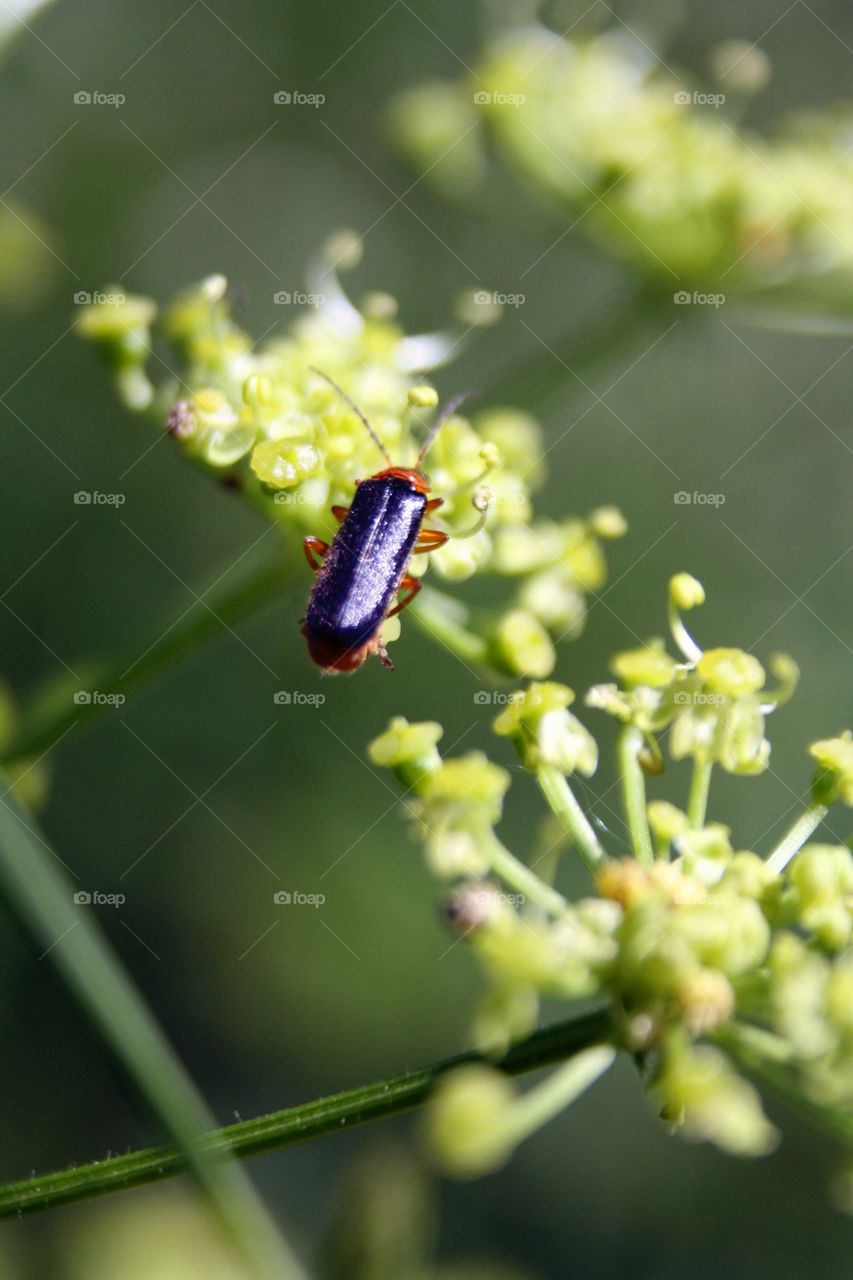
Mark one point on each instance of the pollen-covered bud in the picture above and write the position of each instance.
(623, 880)
(608, 522)
(409, 750)
(477, 905)
(544, 731)
(705, 999)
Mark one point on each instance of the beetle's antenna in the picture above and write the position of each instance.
(374, 437)
(447, 412)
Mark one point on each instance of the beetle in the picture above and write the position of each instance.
(359, 575)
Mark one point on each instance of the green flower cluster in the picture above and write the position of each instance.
(713, 704)
(264, 419)
(714, 961)
(658, 171)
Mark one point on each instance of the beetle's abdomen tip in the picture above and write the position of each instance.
(335, 656)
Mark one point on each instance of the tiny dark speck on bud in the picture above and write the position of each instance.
(180, 421)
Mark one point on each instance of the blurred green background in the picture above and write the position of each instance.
(271, 1006)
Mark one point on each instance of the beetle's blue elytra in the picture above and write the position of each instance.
(360, 574)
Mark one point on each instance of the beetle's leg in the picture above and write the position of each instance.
(314, 547)
(429, 539)
(408, 583)
(434, 504)
(340, 513)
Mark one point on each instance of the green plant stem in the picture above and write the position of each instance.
(521, 877)
(53, 712)
(559, 1090)
(564, 805)
(697, 804)
(633, 783)
(34, 885)
(796, 837)
(312, 1120)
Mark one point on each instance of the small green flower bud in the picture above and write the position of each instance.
(685, 591)
(834, 778)
(470, 779)
(730, 671)
(747, 876)
(543, 731)
(732, 936)
(422, 397)
(460, 558)
(555, 601)
(741, 744)
(651, 665)
(822, 876)
(798, 984)
(666, 821)
(409, 749)
(467, 1131)
(520, 645)
(518, 436)
(284, 464)
(716, 1105)
(608, 522)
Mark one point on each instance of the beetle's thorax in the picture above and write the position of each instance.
(416, 479)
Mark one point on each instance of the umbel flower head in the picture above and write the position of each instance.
(716, 964)
(265, 418)
(659, 171)
(712, 702)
